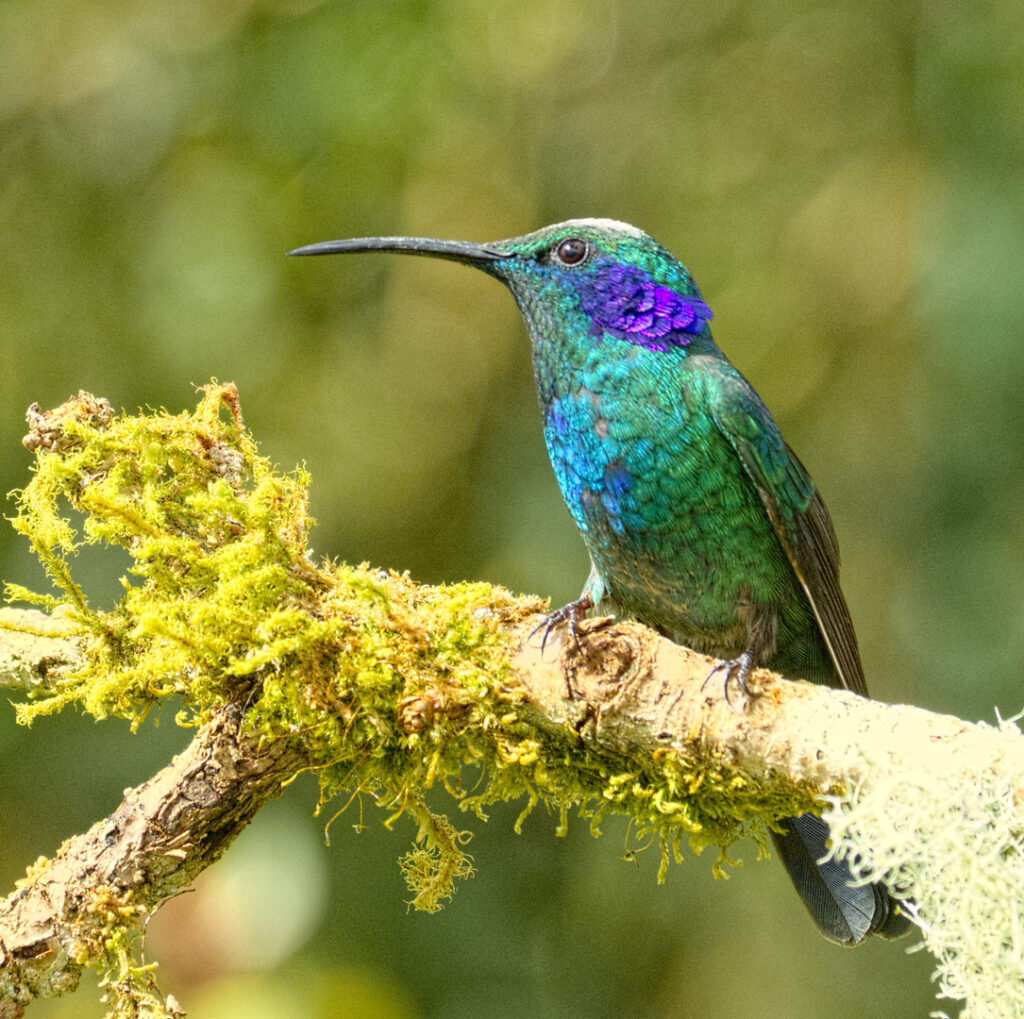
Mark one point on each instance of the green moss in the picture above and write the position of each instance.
(391, 688)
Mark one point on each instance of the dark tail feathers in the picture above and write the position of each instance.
(844, 914)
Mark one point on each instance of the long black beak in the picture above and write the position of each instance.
(457, 251)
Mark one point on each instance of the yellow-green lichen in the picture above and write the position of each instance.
(381, 680)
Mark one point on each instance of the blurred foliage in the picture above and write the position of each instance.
(844, 180)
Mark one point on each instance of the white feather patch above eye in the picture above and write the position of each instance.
(606, 224)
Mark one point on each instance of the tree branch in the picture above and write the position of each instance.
(641, 694)
(636, 698)
(35, 649)
(84, 904)
(383, 686)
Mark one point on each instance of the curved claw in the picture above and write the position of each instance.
(738, 669)
(571, 614)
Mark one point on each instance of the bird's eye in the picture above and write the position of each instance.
(572, 251)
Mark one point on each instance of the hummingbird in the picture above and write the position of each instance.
(699, 519)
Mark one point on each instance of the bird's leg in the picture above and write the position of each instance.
(571, 614)
(761, 621)
(591, 596)
(736, 668)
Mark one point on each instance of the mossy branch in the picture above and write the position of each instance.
(386, 688)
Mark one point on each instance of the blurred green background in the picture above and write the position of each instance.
(844, 179)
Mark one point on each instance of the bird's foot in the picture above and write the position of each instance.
(571, 614)
(737, 669)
